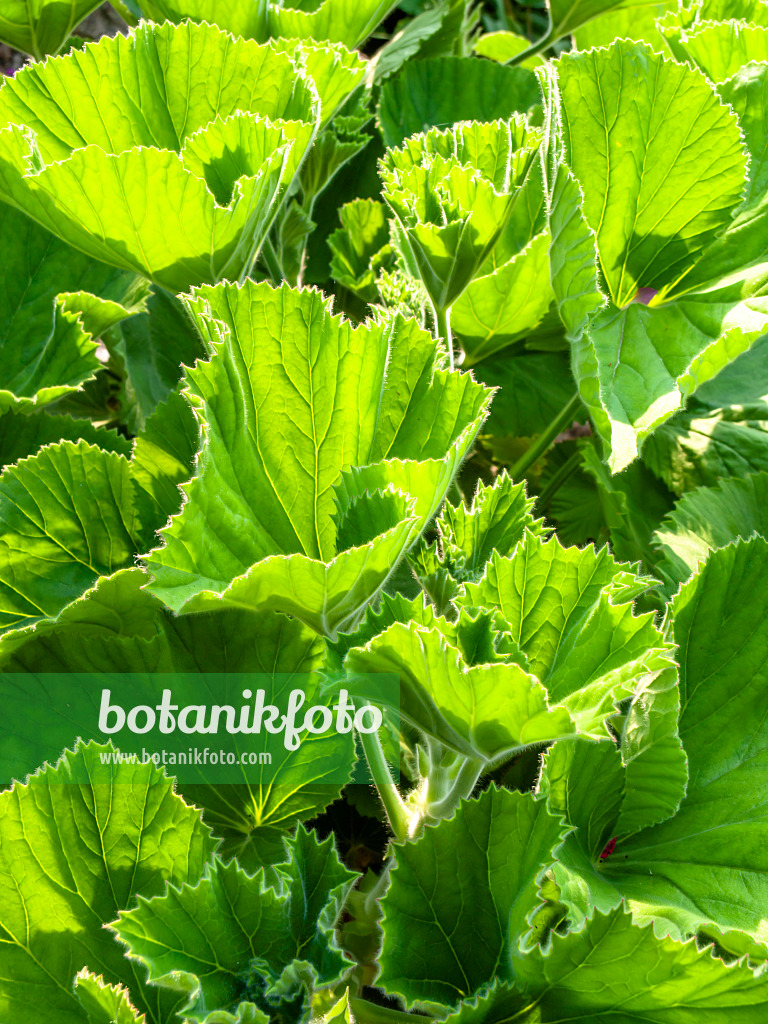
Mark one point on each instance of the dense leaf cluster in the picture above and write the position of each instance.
(339, 339)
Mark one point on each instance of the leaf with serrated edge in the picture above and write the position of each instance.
(334, 412)
(613, 970)
(563, 608)
(154, 156)
(73, 856)
(460, 897)
(67, 516)
(243, 925)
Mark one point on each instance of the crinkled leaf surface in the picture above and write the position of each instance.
(454, 195)
(117, 623)
(659, 160)
(72, 856)
(564, 608)
(614, 971)
(722, 432)
(364, 232)
(163, 458)
(460, 896)
(721, 48)
(228, 939)
(339, 21)
(346, 462)
(485, 711)
(649, 202)
(494, 522)
(155, 346)
(246, 18)
(502, 307)
(22, 436)
(649, 360)
(103, 1003)
(67, 516)
(566, 16)
(706, 865)
(185, 182)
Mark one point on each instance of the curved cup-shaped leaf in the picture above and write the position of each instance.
(133, 150)
(335, 445)
(246, 18)
(336, 21)
(453, 194)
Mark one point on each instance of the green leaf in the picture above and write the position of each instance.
(229, 938)
(633, 504)
(460, 897)
(501, 308)
(449, 217)
(654, 195)
(563, 606)
(629, 377)
(573, 253)
(103, 1003)
(339, 415)
(707, 864)
(495, 523)
(624, 22)
(743, 243)
(363, 234)
(118, 623)
(608, 793)
(186, 186)
(74, 855)
(643, 380)
(612, 970)
(440, 92)
(408, 40)
(155, 347)
(246, 18)
(22, 436)
(41, 28)
(708, 518)
(339, 1010)
(534, 387)
(349, 22)
(163, 458)
(334, 148)
(486, 712)
(721, 433)
(48, 325)
(504, 47)
(720, 49)
(566, 16)
(67, 516)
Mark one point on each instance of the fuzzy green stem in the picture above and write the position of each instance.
(387, 789)
(544, 441)
(463, 783)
